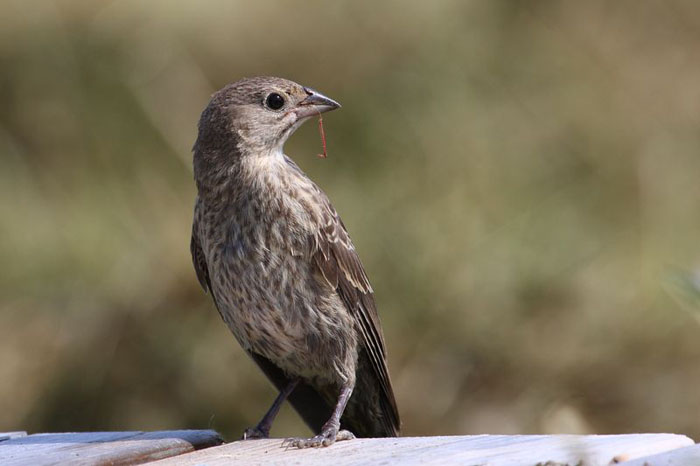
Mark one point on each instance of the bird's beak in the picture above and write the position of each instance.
(314, 104)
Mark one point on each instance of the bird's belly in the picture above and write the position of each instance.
(276, 305)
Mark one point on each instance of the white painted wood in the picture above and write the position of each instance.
(102, 448)
(491, 450)
(688, 456)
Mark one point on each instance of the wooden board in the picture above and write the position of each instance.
(102, 448)
(688, 456)
(491, 450)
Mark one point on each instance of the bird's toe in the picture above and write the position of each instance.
(344, 435)
(326, 438)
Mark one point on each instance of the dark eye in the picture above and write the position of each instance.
(274, 101)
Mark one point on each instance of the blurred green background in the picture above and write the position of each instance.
(521, 179)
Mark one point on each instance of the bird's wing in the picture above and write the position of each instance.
(340, 265)
(199, 261)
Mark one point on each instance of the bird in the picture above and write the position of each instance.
(282, 271)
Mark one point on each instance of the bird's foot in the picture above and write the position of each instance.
(327, 437)
(254, 433)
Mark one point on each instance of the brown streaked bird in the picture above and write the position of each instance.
(281, 268)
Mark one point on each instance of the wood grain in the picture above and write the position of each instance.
(688, 456)
(102, 448)
(494, 450)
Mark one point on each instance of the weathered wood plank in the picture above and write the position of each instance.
(494, 450)
(101, 448)
(688, 456)
(9, 435)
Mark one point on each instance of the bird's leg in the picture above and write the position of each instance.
(262, 430)
(330, 432)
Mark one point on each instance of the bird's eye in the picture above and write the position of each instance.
(274, 101)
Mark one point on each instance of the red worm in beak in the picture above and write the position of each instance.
(323, 137)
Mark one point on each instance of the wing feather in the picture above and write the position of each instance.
(341, 266)
(199, 261)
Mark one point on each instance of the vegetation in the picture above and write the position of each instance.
(521, 180)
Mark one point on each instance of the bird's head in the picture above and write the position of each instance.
(255, 116)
